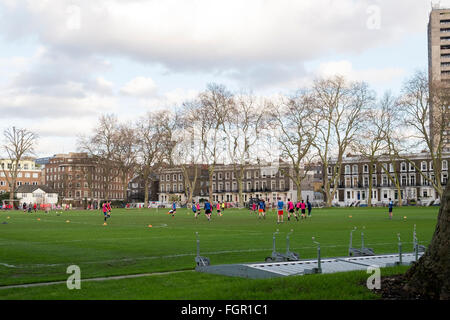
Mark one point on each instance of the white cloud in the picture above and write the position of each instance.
(140, 87)
(214, 34)
(371, 75)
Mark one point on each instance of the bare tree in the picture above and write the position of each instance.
(126, 154)
(422, 128)
(370, 143)
(298, 125)
(153, 143)
(430, 276)
(215, 103)
(103, 146)
(389, 123)
(188, 149)
(243, 126)
(341, 107)
(18, 143)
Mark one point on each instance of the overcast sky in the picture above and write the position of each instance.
(65, 62)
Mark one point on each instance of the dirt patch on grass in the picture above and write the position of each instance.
(396, 288)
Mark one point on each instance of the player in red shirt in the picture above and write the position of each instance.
(109, 208)
(303, 208)
(291, 210)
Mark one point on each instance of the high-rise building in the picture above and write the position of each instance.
(439, 68)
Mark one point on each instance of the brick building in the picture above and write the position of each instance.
(29, 173)
(80, 180)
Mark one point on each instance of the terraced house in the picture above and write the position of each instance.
(267, 181)
(389, 179)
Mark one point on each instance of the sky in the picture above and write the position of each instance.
(63, 63)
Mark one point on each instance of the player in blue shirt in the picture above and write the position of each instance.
(194, 209)
(208, 210)
(262, 209)
(280, 206)
(174, 209)
(391, 206)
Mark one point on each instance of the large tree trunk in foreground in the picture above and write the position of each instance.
(430, 277)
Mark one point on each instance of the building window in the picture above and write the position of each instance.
(444, 165)
(412, 180)
(411, 167)
(403, 180)
(347, 169)
(403, 167)
(366, 168)
(162, 188)
(355, 169)
(423, 166)
(348, 182)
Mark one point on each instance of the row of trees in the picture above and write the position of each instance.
(317, 124)
(321, 123)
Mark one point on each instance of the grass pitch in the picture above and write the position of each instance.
(39, 247)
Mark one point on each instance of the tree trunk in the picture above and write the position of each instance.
(430, 276)
(299, 191)
(146, 183)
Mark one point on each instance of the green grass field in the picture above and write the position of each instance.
(35, 250)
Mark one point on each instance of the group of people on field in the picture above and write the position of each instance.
(209, 208)
(293, 209)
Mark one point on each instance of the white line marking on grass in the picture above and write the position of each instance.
(130, 276)
(8, 265)
(186, 255)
